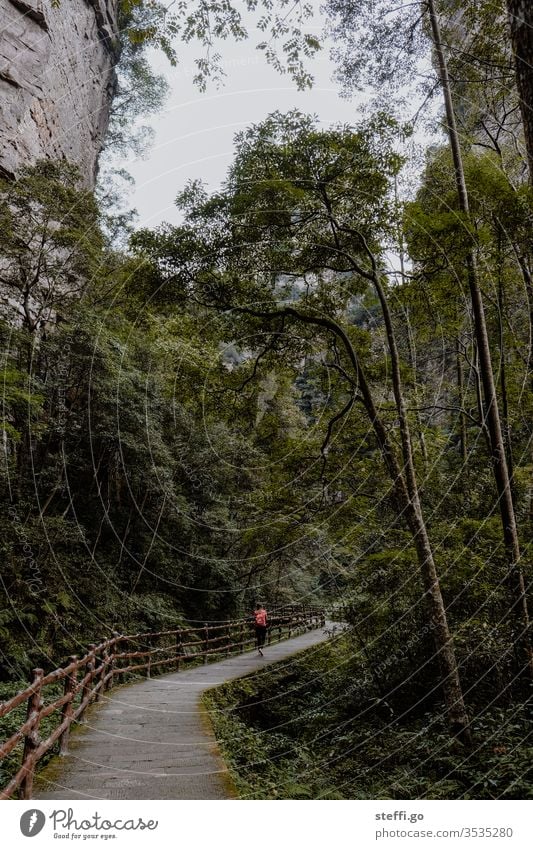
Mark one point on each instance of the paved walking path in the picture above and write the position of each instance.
(152, 740)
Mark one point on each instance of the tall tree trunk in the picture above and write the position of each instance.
(492, 414)
(411, 349)
(462, 418)
(479, 395)
(521, 26)
(503, 383)
(410, 345)
(525, 266)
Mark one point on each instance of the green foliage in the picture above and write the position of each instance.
(208, 22)
(50, 241)
(146, 24)
(10, 723)
(299, 213)
(140, 92)
(319, 732)
(132, 499)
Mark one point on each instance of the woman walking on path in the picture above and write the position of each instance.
(260, 616)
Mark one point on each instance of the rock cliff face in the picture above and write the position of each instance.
(56, 81)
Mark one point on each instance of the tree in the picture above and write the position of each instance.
(355, 20)
(50, 241)
(297, 235)
(208, 22)
(521, 27)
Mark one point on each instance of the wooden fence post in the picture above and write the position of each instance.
(31, 741)
(105, 670)
(86, 689)
(179, 649)
(241, 637)
(206, 648)
(122, 662)
(148, 657)
(116, 635)
(99, 667)
(94, 670)
(68, 708)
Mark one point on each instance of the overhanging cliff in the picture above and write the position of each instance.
(57, 81)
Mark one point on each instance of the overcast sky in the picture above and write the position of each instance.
(194, 132)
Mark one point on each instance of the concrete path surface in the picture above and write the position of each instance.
(152, 740)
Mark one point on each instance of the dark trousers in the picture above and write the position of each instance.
(260, 635)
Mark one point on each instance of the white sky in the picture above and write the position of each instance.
(194, 132)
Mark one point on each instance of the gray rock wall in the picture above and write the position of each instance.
(56, 81)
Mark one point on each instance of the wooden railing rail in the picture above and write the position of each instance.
(105, 664)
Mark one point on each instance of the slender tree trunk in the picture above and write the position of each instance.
(521, 26)
(479, 393)
(492, 414)
(410, 346)
(412, 363)
(462, 418)
(525, 265)
(22, 419)
(503, 386)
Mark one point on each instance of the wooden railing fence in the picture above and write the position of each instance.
(84, 679)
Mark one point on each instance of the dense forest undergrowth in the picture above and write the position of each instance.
(319, 728)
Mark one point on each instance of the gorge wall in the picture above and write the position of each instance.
(57, 81)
